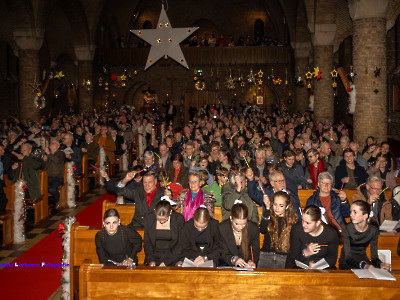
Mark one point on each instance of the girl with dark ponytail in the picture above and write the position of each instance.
(361, 232)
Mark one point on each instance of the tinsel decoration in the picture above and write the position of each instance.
(102, 163)
(71, 185)
(352, 99)
(19, 211)
(65, 230)
(124, 158)
(200, 85)
(142, 141)
(311, 104)
(163, 132)
(39, 101)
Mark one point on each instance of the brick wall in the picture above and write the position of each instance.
(369, 51)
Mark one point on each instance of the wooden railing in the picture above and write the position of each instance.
(205, 55)
(98, 282)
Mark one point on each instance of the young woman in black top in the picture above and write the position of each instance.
(199, 238)
(276, 224)
(239, 239)
(161, 236)
(117, 243)
(311, 240)
(361, 232)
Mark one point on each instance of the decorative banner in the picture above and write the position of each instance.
(19, 211)
(65, 229)
(164, 40)
(71, 185)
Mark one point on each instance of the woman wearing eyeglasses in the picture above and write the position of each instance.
(116, 243)
(199, 239)
(190, 200)
(161, 236)
(239, 239)
(337, 206)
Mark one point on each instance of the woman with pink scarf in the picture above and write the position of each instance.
(189, 200)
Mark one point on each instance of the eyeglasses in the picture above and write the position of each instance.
(279, 181)
(375, 189)
(326, 183)
(309, 156)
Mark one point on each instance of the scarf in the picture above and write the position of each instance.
(315, 172)
(190, 206)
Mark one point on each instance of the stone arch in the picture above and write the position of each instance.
(258, 28)
(147, 25)
(206, 28)
(134, 95)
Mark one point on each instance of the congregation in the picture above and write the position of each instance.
(240, 162)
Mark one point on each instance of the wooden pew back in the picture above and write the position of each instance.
(83, 247)
(125, 211)
(97, 282)
(305, 194)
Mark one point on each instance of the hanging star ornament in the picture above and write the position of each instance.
(164, 40)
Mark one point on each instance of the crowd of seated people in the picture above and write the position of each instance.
(234, 160)
(211, 40)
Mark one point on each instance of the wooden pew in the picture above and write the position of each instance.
(125, 211)
(63, 189)
(82, 180)
(305, 194)
(8, 217)
(83, 247)
(98, 282)
(41, 204)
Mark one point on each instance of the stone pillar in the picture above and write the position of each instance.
(323, 59)
(29, 43)
(85, 55)
(369, 51)
(301, 54)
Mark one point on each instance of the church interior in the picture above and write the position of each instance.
(337, 60)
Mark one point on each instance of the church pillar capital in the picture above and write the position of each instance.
(365, 9)
(29, 39)
(84, 52)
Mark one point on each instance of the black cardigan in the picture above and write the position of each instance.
(188, 242)
(228, 244)
(172, 255)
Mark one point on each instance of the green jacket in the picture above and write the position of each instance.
(31, 174)
(230, 194)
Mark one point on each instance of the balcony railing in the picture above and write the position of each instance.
(206, 55)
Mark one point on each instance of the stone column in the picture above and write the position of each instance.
(323, 59)
(29, 43)
(85, 55)
(301, 54)
(369, 51)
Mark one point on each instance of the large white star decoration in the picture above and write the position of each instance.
(164, 40)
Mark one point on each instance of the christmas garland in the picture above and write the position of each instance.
(102, 163)
(70, 185)
(65, 230)
(19, 211)
(124, 158)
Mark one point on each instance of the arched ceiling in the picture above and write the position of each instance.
(84, 17)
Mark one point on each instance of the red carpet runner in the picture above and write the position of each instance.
(24, 282)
